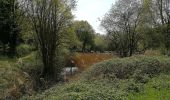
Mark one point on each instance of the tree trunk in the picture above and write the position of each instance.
(131, 50)
(48, 70)
(84, 47)
(161, 11)
(4, 48)
(48, 61)
(13, 44)
(167, 38)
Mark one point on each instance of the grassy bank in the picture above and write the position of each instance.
(134, 78)
(15, 81)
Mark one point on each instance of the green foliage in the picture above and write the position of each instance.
(118, 79)
(30, 63)
(13, 82)
(24, 49)
(85, 34)
(143, 26)
(100, 43)
(165, 51)
(9, 24)
(27, 35)
(72, 42)
(151, 39)
(82, 90)
(130, 67)
(53, 19)
(121, 24)
(157, 89)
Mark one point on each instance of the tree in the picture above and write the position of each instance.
(101, 44)
(4, 23)
(161, 15)
(10, 28)
(156, 20)
(73, 43)
(49, 18)
(85, 34)
(122, 23)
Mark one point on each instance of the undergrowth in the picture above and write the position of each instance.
(117, 79)
(15, 79)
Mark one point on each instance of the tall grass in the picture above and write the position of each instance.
(84, 60)
(14, 80)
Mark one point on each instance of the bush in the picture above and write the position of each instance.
(24, 49)
(82, 90)
(165, 51)
(132, 67)
(110, 80)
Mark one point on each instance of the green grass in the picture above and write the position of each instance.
(5, 58)
(157, 89)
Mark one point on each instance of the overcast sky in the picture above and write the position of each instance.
(92, 10)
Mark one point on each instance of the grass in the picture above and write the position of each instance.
(85, 60)
(157, 89)
(11, 78)
(14, 82)
(152, 53)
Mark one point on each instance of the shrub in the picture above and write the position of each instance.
(132, 67)
(133, 87)
(82, 90)
(24, 49)
(156, 89)
(110, 80)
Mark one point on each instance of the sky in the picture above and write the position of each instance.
(92, 11)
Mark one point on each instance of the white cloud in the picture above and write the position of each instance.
(91, 10)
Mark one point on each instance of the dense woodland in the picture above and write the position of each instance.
(47, 31)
